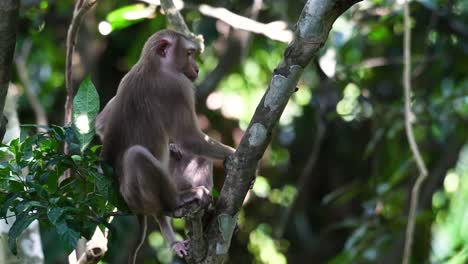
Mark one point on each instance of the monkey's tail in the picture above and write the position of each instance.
(142, 222)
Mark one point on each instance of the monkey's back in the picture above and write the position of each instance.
(135, 120)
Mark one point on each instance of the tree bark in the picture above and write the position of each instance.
(9, 10)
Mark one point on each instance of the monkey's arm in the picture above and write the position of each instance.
(202, 145)
(187, 134)
(168, 233)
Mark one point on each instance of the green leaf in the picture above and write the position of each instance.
(95, 148)
(58, 132)
(103, 184)
(21, 223)
(67, 234)
(126, 16)
(54, 214)
(11, 197)
(25, 206)
(85, 110)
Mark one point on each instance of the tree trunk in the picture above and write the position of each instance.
(8, 21)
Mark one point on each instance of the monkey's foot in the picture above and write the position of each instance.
(180, 248)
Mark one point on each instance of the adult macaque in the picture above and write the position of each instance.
(155, 105)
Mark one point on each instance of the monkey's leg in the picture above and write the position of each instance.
(146, 185)
(179, 247)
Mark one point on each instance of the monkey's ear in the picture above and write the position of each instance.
(162, 46)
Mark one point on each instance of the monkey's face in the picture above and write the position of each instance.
(191, 67)
(179, 54)
(187, 52)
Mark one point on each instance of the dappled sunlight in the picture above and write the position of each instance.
(105, 28)
(350, 108)
(291, 111)
(451, 182)
(284, 196)
(328, 62)
(214, 101)
(160, 246)
(264, 247)
(233, 107)
(261, 187)
(82, 123)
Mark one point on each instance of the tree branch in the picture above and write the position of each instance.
(311, 33)
(81, 7)
(177, 22)
(276, 30)
(409, 119)
(9, 10)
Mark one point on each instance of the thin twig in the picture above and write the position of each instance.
(23, 73)
(81, 7)
(409, 119)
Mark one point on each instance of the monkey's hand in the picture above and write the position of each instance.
(180, 248)
(175, 151)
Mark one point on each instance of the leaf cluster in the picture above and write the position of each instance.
(33, 185)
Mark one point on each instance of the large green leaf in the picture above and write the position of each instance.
(127, 15)
(21, 223)
(85, 110)
(66, 233)
(54, 214)
(10, 198)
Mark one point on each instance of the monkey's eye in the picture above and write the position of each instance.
(190, 52)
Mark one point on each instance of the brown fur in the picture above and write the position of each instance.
(155, 105)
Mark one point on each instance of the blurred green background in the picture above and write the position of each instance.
(334, 185)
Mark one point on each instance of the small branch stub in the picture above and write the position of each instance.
(226, 225)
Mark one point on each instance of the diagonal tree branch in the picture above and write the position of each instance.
(9, 10)
(311, 32)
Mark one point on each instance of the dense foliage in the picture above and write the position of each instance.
(33, 185)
